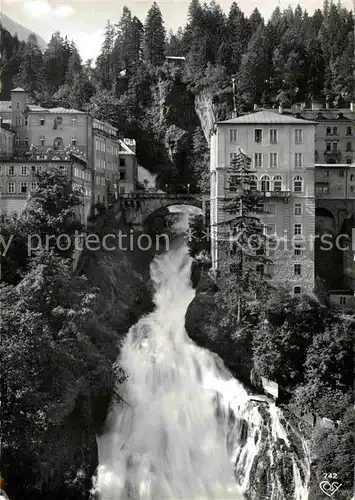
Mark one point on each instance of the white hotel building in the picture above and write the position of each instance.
(282, 151)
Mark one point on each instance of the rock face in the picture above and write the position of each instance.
(202, 324)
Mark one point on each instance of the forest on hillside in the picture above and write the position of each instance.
(291, 57)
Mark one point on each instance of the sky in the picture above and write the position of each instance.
(84, 20)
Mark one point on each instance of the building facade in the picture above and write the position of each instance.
(334, 142)
(54, 134)
(6, 142)
(281, 148)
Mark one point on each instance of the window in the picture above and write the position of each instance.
(348, 131)
(270, 229)
(0, 187)
(265, 183)
(233, 135)
(297, 250)
(298, 184)
(298, 209)
(335, 147)
(341, 173)
(11, 170)
(297, 269)
(329, 131)
(59, 120)
(26, 121)
(297, 290)
(298, 136)
(342, 301)
(17, 105)
(335, 130)
(351, 189)
(258, 135)
(233, 182)
(73, 141)
(122, 190)
(11, 186)
(253, 183)
(270, 208)
(320, 190)
(73, 121)
(42, 120)
(23, 187)
(258, 160)
(260, 270)
(123, 162)
(26, 141)
(42, 140)
(34, 185)
(273, 136)
(298, 160)
(123, 175)
(58, 143)
(348, 161)
(297, 229)
(17, 140)
(0, 169)
(328, 146)
(24, 170)
(326, 173)
(273, 160)
(348, 146)
(277, 183)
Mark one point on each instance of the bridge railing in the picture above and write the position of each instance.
(147, 194)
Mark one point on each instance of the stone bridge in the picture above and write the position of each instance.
(339, 209)
(137, 207)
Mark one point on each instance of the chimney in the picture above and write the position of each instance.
(327, 105)
(234, 114)
(281, 109)
(255, 107)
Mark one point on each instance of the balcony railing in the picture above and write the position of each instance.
(103, 133)
(333, 154)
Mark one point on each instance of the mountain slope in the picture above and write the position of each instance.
(22, 32)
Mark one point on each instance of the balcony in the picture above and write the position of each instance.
(276, 194)
(336, 155)
(103, 133)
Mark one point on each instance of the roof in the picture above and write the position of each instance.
(57, 111)
(266, 117)
(18, 89)
(328, 114)
(5, 106)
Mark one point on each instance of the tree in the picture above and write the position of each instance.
(254, 70)
(328, 387)
(105, 61)
(53, 208)
(29, 73)
(74, 65)
(244, 254)
(154, 37)
(55, 64)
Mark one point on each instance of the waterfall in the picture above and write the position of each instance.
(186, 429)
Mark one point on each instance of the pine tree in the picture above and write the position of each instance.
(154, 37)
(243, 263)
(105, 62)
(235, 40)
(29, 71)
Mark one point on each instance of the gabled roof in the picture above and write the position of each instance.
(266, 117)
(18, 89)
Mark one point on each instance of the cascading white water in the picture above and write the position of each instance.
(190, 430)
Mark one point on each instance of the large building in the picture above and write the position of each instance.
(282, 151)
(60, 134)
(334, 133)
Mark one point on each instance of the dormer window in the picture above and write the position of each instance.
(340, 116)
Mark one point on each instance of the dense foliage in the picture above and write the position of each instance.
(53, 356)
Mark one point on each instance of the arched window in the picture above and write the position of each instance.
(277, 183)
(58, 143)
(298, 184)
(253, 183)
(265, 183)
